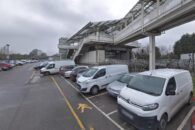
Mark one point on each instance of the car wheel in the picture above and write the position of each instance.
(190, 99)
(94, 90)
(46, 73)
(163, 122)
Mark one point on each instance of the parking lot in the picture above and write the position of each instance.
(30, 101)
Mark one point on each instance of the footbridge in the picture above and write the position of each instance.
(148, 18)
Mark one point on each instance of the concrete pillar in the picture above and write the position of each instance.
(7, 51)
(128, 56)
(158, 5)
(97, 34)
(60, 56)
(152, 52)
(142, 11)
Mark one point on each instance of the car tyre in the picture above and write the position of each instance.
(94, 90)
(163, 122)
(190, 99)
(46, 73)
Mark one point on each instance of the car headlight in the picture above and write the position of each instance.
(150, 107)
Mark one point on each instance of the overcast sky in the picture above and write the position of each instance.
(30, 24)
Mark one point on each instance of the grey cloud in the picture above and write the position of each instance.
(59, 18)
(24, 33)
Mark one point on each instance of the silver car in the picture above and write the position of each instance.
(115, 87)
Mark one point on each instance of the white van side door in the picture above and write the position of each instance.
(100, 78)
(173, 101)
(183, 86)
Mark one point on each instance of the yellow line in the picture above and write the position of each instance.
(91, 128)
(69, 105)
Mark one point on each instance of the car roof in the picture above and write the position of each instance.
(164, 73)
(132, 74)
(104, 66)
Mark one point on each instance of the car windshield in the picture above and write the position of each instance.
(90, 72)
(125, 79)
(147, 84)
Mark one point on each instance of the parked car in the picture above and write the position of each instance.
(96, 78)
(63, 69)
(77, 68)
(19, 63)
(41, 65)
(152, 98)
(5, 66)
(54, 66)
(80, 71)
(115, 87)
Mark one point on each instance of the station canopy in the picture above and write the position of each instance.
(92, 27)
(110, 26)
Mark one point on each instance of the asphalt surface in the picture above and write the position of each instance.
(30, 101)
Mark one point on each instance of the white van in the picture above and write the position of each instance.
(54, 66)
(96, 78)
(153, 97)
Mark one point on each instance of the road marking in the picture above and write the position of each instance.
(186, 119)
(101, 94)
(115, 123)
(31, 77)
(69, 105)
(82, 107)
(112, 112)
(91, 128)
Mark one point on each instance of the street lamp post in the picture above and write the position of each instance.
(7, 45)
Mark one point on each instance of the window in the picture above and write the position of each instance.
(100, 73)
(125, 79)
(90, 72)
(147, 84)
(171, 86)
(51, 66)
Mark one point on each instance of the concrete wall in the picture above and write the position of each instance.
(88, 58)
(186, 56)
(93, 57)
(100, 56)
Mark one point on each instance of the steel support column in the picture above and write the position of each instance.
(142, 13)
(152, 52)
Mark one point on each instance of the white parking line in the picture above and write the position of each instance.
(186, 119)
(101, 94)
(106, 115)
(112, 112)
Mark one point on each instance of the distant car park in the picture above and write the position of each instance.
(5, 66)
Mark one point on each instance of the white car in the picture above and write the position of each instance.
(153, 97)
(97, 78)
(54, 66)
